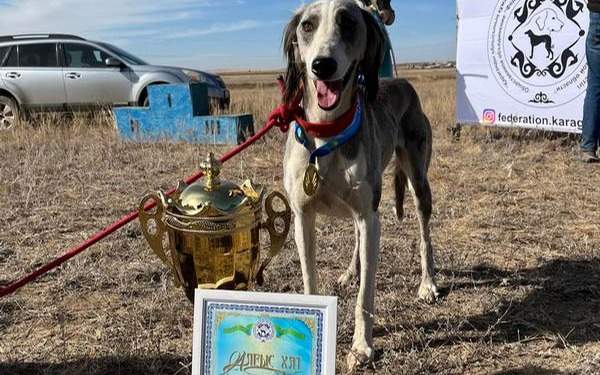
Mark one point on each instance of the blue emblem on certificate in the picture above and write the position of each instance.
(261, 339)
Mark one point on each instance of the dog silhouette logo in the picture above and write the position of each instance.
(537, 50)
(546, 23)
(264, 331)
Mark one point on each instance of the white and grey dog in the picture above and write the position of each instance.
(328, 44)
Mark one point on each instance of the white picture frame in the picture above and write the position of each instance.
(265, 329)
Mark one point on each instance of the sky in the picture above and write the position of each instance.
(217, 34)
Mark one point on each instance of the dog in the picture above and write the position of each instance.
(547, 23)
(328, 45)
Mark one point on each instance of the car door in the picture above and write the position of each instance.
(32, 72)
(89, 81)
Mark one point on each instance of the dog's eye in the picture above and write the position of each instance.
(308, 27)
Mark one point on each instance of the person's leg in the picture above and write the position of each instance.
(591, 109)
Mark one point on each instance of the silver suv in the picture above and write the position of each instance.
(67, 72)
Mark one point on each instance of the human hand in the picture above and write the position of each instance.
(387, 16)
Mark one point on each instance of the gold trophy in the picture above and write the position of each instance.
(208, 233)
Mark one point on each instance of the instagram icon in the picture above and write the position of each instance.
(489, 117)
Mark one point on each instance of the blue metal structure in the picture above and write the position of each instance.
(180, 112)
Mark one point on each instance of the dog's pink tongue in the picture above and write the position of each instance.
(327, 93)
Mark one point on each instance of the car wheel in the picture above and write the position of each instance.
(144, 101)
(9, 113)
(224, 104)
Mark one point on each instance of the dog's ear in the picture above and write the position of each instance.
(294, 75)
(541, 20)
(373, 56)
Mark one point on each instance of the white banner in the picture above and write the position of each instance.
(521, 63)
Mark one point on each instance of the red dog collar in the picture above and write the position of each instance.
(330, 128)
(284, 114)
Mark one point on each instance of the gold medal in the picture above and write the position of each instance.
(311, 180)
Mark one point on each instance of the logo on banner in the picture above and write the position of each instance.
(489, 117)
(537, 50)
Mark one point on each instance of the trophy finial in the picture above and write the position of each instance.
(211, 168)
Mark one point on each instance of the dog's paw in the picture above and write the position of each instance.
(346, 279)
(360, 355)
(428, 291)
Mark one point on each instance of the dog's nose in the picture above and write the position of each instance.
(324, 67)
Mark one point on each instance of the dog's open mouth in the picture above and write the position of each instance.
(329, 93)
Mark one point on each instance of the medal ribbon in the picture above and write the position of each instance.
(334, 142)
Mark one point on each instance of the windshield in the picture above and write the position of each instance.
(128, 57)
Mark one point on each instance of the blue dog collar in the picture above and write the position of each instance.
(334, 142)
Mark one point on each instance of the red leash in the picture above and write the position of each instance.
(281, 117)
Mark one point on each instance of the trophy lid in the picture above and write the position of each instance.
(213, 197)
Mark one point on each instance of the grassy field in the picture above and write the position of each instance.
(515, 227)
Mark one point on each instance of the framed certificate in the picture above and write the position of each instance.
(263, 333)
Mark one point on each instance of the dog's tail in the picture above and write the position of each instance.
(400, 182)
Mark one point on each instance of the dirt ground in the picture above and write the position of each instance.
(515, 228)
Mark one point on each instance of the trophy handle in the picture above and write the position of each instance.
(155, 237)
(278, 226)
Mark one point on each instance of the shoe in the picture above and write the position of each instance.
(589, 157)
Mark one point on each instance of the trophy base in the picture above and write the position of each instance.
(191, 291)
(239, 281)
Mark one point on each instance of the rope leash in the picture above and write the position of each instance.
(281, 117)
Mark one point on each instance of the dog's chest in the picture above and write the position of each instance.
(343, 186)
(343, 181)
(341, 174)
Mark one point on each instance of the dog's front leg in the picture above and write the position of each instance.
(362, 343)
(346, 278)
(304, 226)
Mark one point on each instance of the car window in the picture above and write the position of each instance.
(11, 59)
(3, 51)
(128, 57)
(84, 56)
(41, 55)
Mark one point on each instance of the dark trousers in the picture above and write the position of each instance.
(590, 135)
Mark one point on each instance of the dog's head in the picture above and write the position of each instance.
(549, 22)
(327, 44)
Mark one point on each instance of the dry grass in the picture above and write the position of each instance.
(516, 229)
